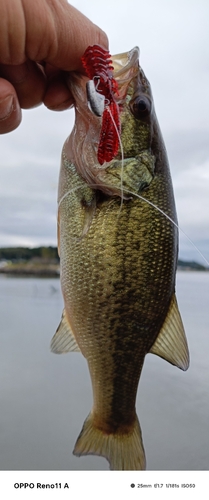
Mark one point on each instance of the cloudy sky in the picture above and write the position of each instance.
(173, 36)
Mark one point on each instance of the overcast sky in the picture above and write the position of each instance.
(173, 36)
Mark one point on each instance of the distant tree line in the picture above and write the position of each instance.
(23, 253)
(191, 264)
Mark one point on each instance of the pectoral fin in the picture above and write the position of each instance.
(64, 340)
(171, 343)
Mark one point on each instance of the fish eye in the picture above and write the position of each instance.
(140, 107)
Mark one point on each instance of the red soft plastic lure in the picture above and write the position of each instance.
(98, 66)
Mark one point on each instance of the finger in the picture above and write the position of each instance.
(10, 112)
(63, 36)
(28, 80)
(57, 96)
(76, 32)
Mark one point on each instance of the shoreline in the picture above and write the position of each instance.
(44, 262)
(28, 269)
(53, 270)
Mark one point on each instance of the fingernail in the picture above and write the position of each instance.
(6, 107)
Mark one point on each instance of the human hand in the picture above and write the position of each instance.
(39, 42)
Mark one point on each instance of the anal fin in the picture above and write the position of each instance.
(63, 340)
(171, 343)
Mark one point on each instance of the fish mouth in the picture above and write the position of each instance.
(124, 171)
(126, 64)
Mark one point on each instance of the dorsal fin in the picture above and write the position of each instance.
(64, 340)
(171, 343)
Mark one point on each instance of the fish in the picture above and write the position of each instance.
(118, 260)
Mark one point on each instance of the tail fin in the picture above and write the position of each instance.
(123, 451)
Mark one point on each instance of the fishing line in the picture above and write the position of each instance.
(97, 78)
(122, 158)
(69, 192)
(99, 186)
(171, 220)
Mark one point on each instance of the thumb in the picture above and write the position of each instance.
(63, 37)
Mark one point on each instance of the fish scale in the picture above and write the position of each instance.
(127, 288)
(118, 266)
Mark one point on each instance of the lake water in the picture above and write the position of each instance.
(44, 398)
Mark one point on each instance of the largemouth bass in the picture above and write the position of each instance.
(118, 257)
